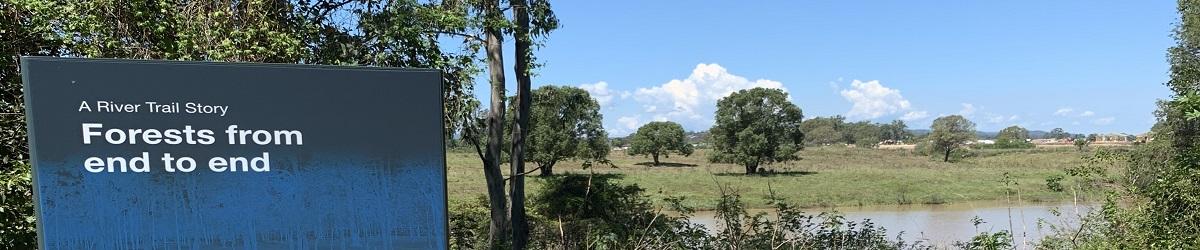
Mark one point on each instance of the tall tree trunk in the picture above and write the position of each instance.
(520, 227)
(655, 159)
(947, 157)
(498, 229)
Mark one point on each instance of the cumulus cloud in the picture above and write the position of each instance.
(601, 92)
(1087, 113)
(914, 115)
(1104, 121)
(871, 100)
(630, 122)
(692, 100)
(1064, 111)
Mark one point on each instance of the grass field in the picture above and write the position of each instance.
(826, 176)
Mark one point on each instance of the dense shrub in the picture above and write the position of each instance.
(594, 211)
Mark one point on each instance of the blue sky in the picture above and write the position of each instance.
(1085, 66)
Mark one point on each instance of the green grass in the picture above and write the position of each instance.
(826, 176)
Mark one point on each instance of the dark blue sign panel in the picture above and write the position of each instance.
(188, 155)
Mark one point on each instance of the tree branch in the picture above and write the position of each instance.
(460, 34)
(525, 173)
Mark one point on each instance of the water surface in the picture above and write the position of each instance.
(943, 224)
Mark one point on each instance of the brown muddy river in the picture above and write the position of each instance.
(942, 225)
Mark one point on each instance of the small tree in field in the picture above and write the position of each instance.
(564, 123)
(754, 127)
(950, 133)
(1013, 137)
(659, 139)
(1082, 143)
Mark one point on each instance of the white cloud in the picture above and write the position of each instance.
(600, 92)
(1087, 113)
(967, 109)
(630, 122)
(871, 100)
(914, 115)
(1104, 121)
(996, 118)
(692, 100)
(1014, 117)
(1064, 111)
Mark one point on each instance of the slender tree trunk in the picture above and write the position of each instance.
(655, 159)
(498, 229)
(947, 157)
(520, 227)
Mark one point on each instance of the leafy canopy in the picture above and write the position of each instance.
(659, 139)
(564, 123)
(755, 127)
(950, 133)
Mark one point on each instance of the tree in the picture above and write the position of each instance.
(1013, 137)
(823, 130)
(366, 32)
(1081, 144)
(949, 133)
(863, 134)
(896, 131)
(659, 139)
(524, 35)
(565, 123)
(1013, 133)
(755, 127)
(823, 135)
(1058, 134)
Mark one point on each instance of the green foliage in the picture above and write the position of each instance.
(1082, 144)
(468, 224)
(564, 123)
(987, 240)
(370, 32)
(1058, 133)
(16, 208)
(596, 211)
(949, 133)
(1158, 206)
(793, 229)
(1013, 137)
(659, 139)
(833, 130)
(823, 130)
(755, 127)
(1054, 183)
(593, 211)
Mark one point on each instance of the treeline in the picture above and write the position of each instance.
(835, 130)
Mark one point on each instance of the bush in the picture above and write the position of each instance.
(1053, 183)
(987, 240)
(17, 220)
(594, 211)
